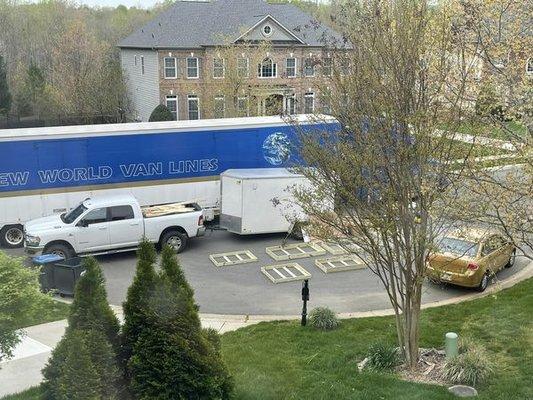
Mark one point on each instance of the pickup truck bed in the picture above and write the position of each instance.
(168, 209)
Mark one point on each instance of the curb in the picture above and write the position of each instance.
(246, 320)
(525, 273)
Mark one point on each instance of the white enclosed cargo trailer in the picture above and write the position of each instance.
(259, 200)
(46, 171)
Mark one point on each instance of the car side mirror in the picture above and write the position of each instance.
(83, 224)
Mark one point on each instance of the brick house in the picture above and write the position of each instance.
(176, 60)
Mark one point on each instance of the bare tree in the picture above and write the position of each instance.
(235, 91)
(389, 170)
(500, 195)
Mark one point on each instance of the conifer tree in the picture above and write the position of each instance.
(78, 378)
(85, 365)
(171, 270)
(138, 297)
(90, 309)
(173, 357)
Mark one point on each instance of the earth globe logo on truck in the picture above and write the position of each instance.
(277, 148)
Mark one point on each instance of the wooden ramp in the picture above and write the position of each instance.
(166, 209)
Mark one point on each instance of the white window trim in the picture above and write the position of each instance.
(219, 97)
(529, 62)
(330, 67)
(287, 98)
(223, 68)
(189, 97)
(263, 30)
(174, 98)
(247, 74)
(312, 96)
(247, 101)
(197, 68)
(295, 67)
(165, 68)
(304, 67)
(261, 69)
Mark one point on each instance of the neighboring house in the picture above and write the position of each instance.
(175, 59)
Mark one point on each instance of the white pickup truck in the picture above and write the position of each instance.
(111, 224)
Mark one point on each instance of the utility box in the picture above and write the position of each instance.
(66, 274)
(259, 200)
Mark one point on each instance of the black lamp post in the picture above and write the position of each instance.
(305, 299)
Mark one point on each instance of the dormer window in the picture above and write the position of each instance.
(267, 30)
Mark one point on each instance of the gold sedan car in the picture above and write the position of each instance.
(470, 257)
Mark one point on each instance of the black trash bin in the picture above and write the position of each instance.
(46, 263)
(66, 274)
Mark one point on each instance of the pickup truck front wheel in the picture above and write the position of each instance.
(175, 239)
(60, 250)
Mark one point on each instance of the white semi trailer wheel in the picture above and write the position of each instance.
(12, 236)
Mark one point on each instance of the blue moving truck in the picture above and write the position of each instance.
(49, 170)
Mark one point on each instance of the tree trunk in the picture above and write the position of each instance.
(411, 322)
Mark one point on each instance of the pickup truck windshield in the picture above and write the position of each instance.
(71, 216)
(458, 246)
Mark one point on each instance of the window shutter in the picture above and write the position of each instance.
(200, 68)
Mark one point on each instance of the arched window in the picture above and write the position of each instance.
(529, 66)
(268, 69)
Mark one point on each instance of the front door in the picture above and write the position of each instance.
(273, 105)
(93, 231)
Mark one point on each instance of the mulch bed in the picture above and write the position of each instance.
(428, 370)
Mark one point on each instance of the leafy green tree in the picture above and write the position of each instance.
(90, 345)
(173, 358)
(138, 297)
(5, 95)
(20, 300)
(161, 113)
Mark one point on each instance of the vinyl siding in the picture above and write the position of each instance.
(143, 88)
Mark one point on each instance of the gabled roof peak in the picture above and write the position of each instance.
(195, 24)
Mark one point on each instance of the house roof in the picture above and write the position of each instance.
(196, 24)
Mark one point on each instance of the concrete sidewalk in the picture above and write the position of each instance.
(23, 371)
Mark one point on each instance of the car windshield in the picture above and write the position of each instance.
(71, 216)
(458, 246)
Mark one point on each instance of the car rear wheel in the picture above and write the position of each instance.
(176, 240)
(12, 236)
(59, 249)
(512, 259)
(484, 282)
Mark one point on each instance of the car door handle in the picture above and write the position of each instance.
(134, 224)
(103, 228)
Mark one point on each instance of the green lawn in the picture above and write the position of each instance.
(58, 311)
(509, 131)
(285, 361)
(31, 394)
(282, 360)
